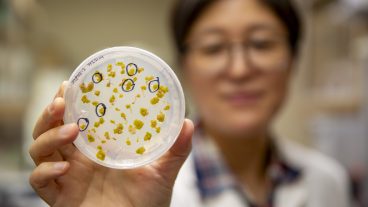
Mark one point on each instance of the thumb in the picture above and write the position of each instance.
(170, 163)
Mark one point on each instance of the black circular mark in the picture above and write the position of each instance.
(95, 76)
(97, 109)
(78, 123)
(123, 84)
(135, 71)
(158, 83)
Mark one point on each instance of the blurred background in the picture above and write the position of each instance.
(42, 42)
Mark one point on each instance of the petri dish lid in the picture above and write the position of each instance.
(129, 106)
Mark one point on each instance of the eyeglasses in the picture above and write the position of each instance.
(214, 55)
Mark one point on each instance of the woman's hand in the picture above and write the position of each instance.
(65, 177)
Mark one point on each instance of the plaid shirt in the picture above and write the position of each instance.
(214, 176)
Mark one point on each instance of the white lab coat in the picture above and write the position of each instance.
(323, 183)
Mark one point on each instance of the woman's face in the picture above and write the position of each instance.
(236, 66)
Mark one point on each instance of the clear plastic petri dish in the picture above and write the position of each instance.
(128, 104)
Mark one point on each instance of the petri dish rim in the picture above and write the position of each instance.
(134, 52)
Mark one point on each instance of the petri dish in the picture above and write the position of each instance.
(128, 104)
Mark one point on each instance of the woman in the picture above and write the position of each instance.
(236, 57)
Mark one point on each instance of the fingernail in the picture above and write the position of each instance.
(65, 83)
(60, 165)
(65, 129)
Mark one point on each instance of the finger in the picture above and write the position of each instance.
(51, 117)
(169, 165)
(43, 178)
(49, 142)
(53, 113)
(183, 144)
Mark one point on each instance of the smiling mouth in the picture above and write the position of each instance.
(242, 98)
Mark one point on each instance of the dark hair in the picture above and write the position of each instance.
(186, 12)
